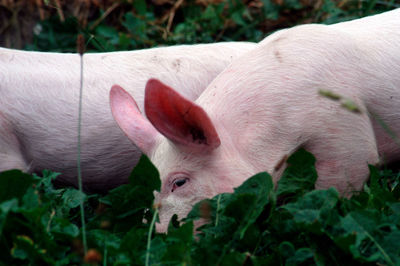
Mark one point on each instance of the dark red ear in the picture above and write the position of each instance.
(177, 118)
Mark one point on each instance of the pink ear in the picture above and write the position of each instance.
(177, 118)
(130, 120)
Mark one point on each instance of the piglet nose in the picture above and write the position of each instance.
(160, 228)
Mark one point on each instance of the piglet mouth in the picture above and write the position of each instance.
(161, 228)
(199, 223)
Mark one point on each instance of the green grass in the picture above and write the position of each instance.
(256, 225)
(140, 24)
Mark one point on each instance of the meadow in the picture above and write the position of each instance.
(258, 224)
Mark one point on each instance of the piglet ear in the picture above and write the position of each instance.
(177, 118)
(131, 121)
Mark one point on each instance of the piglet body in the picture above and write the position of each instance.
(39, 96)
(267, 104)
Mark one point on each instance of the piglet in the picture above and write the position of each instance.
(267, 104)
(39, 96)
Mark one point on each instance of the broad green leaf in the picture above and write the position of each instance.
(395, 213)
(286, 249)
(248, 201)
(379, 195)
(73, 197)
(64, 228)
(130, 202)
(46, 178)
(16, 184)
(5, 208)
(235, 258)
(370, 241)
(300, 175)
(179, 243)
(31, 199)
(315, 209)
(134, 245)
(145, 175)
(104, 239)
(301, 256)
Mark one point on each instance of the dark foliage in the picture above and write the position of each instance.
(39, 225)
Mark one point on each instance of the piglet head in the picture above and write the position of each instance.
(181, 141)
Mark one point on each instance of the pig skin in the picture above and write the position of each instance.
(267, 104)
(39, 105)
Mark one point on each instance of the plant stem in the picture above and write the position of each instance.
(105, 254)
(153, 221)
(82, 210)
(217, 212)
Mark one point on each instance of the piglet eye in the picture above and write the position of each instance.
(178, 183)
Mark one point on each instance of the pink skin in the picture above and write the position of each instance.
(39, 96)
(266, 105)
